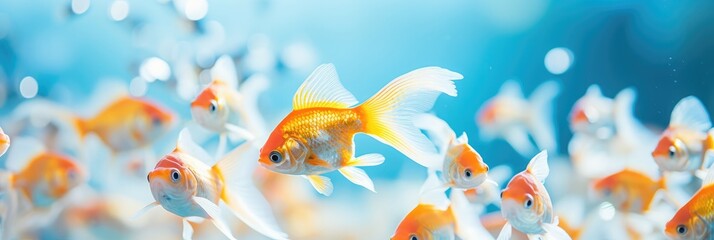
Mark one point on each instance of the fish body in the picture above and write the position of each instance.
(317, 136)
(426, 222)
(629, 190)
(593, 114)
(46, 178)
(695, 219)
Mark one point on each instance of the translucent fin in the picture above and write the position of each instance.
(145, 209)
(236, 132)
(468, 225)
(357, 176)
(593, 91)
(322, 184)
(240, 193)
(388, 115)
(510, 88)
(709, 179)
(214, 212)
(432, 192)
(538, 166)
(463, 138)
(690, 113)
(554, 232)
(23, 151)
(372, 159)
(186, 144)
(517, 137)
(625, 122)
(255, 85)
(187, 231)
(224, 70)
(4, 142)
(506, 232)
(500, 174)
(436, 129)
(323, 89)
(542, 123)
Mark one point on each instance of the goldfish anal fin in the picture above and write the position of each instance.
(357, 176)
(214, 212)
(538, 166)
(323, 89)
(690, 113)
(322, 184)
(187, 231)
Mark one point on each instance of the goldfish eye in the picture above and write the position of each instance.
(529, 202)
(175, 175)
(672, 151)
(467, 173)
(413, 237)
(212, 107)
(275, 157)
(681, 229)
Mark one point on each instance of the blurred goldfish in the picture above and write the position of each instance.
(187, 187)
(629, 190)
(526, 205)
(685, 143)
(695, 220)
(317, 136)
(462, 167)
(601, 117)
(4, 142)
(512, 117)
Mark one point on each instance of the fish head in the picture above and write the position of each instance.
(686, 225)
(210, 109)
(172, 182)
(671, 153)
(159, 120)
(467, 170)
(414, 226)
(522, 205)
(488, 114)
(591, 114)
(283, 154)
(65, 176)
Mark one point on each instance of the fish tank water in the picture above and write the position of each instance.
(95, 96)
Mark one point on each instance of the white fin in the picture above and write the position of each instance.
(432, 192)
(690, 113)
(389, 114)
(372, 159)
(23, 150)
(538, 166)
(187, 85)
(468, 225)
(357, 176)
(500, 174)
(322, 184)
(145, 209)
(242, 196)
(541, 115)
(4, 142)
(105, 93)
(437, 129)
(255, 85)
(625, 122)
(187, 231)
(593, 91)
(236, 132)
(506, 232)
(463, 138)
(214, 212)
(323, 89)
(510, 88)
(709, 179)
(517, 137)
(554, 232)
(224, 70)
(186, 144)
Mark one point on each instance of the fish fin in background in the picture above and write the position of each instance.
(321, 184)
(24, 149)
(432, 192)
(214, 212)
(187, 232)
(388, 115)
(236, 133)
(436, 129)
(554, 232)
(468, 225)
(358, 176)
(224, 70)
(593, 91)
(500, 174)
(240, 193)
(323, 89)
(625, 123)
(538, 166)
(506, 232)
(72, 129)
(11, 200)
(186, 144)
(510, 88)
(4, 142)
(709, 179)
(542, 122)
(145, 209)
(251, 89)
(690, 113)
(517, 137)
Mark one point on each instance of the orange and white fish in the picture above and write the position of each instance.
(45, 178)
(510, 116)
(695, 220)
(462, 166)
(684, 144)
(4, 142)
(526, 204)
(317, 136)
(184, 185)
(601, 117)
(629, 190)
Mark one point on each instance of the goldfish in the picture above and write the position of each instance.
(526, 204)
(46, 178)
(683, 146)
(187, 187)
(601, 117)
(4, 142)
(695, 220)
(629, 190)
(488, 193)
(317, 136)
(512, 117)
(462, 167)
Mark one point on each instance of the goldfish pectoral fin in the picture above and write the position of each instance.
(506, 232)
(322, 184)
(145, 209)
(555, 232)
(236, 132)
(214, 213)
(357, 176)
(517, 137)
(372, 159)
(187, 231)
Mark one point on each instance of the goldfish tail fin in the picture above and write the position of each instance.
(45, 111)
(388, 115)
(357, 175)
(542, 124)
(240, 193)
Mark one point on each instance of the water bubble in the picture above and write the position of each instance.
(28, 87)
(80, 6)
(606, 211)
(299, 56)
(138, 87)
(155, 69)
(119, 10)
(558, 60)
(195, 9)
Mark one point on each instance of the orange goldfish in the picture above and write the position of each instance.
(512, 117)
(526, 204)
(187, 187)
(695, 220)
(684, 144)
(425, 222)
(45, 178)
(629, 190)
(317, 136)
(462, 166)
(4, 142)
(128, 123)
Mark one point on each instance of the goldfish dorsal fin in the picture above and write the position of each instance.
(538, 166)
(709, 179)
(186, 145)
(593, 91)
(323, 89)
(224, 70)
(511, 88)
(22, 151)
(690, 113)
(463, 138)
